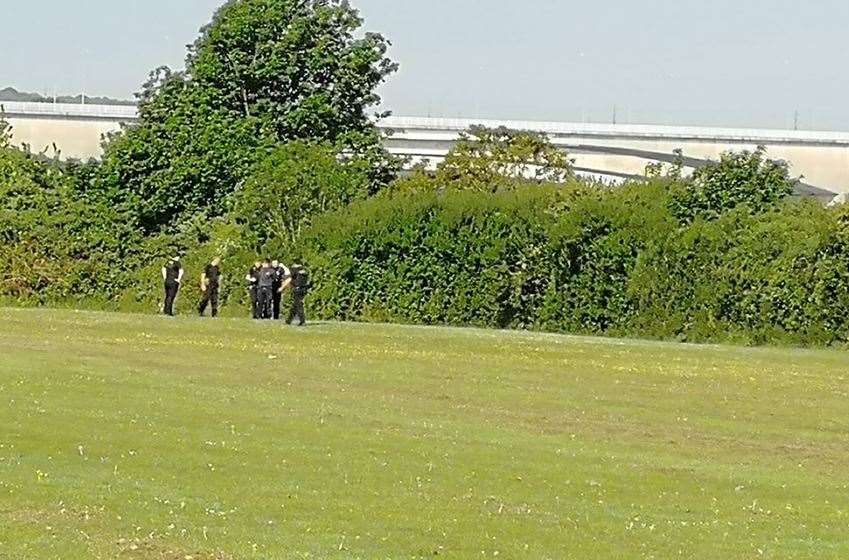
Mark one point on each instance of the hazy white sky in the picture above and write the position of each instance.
(712, 62)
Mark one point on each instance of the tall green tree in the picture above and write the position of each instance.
(484, 156)
(494, 159)
(297, 64)
(263, 72)
(184, 156)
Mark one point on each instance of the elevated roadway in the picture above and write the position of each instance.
(612, 152)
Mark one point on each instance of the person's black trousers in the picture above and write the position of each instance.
(252, 291)
(210, 297)
(265, 303)
(276, 296)
(297, 310)
(171, 289)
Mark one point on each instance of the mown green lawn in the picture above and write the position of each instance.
(146, 438)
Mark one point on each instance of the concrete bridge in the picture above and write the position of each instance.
(613, 152)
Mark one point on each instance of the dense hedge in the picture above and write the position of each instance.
(778, 276)
(55, 244)
(585, 260)
(499, 234)
(61, 244)
(724, 256)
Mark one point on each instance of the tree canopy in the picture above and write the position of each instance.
(263, 72)
(295, 64)
(738, 178)
(493, 159)
(297, 182)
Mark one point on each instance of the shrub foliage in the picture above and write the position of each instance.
(291, 186)
(586, 260)
(264, 146)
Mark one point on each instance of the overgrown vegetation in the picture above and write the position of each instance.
(262, 73)
(586, 260)
(295, 183)
(493, 160)
(55, 244)
(739, 178)
(264, 146)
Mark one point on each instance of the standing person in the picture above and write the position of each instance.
(266, 287)
(300, 285)
(253, 288)
(210, 286)
(172, 275)
(281, 273)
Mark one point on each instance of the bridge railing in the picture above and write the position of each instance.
(449, 128)
(74, 110)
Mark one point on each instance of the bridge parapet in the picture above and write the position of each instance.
(18, 109)
(600, 150)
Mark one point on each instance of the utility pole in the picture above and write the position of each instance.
(796, 120)
(614, 114)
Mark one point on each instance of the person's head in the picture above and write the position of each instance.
(275, 264)
(265, 263)
(257, 264)
(175, 261)
(216, 261)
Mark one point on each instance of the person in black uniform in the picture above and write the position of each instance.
(266, 288)
(299, 282)
(281, 273)
(210, 285)
(253, 288)
(172, 275)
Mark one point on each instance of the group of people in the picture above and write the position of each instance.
(266, 282)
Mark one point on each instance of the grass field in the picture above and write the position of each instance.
(144, 438)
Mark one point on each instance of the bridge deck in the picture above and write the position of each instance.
(609, 150)
(451, 126)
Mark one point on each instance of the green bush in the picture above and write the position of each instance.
(584, 259)
(724, 255)
(738, 179)
(54, 244)
(780, 275)
(547, 257)
(292, 185)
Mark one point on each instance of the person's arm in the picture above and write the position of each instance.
(287, 278)
(180, 276)
(164, 274)
(204, 281)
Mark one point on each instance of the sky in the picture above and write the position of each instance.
(741, 63)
